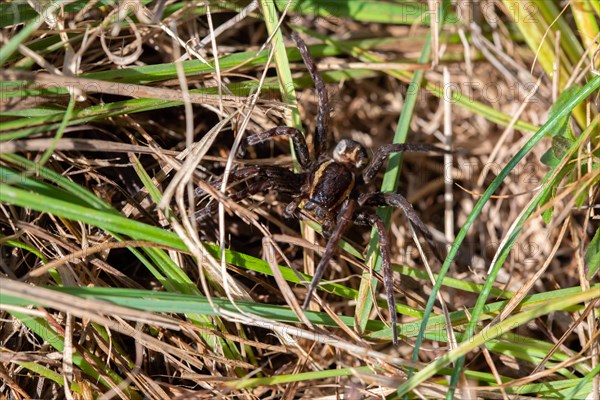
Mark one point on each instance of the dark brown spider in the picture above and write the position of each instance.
(327, 188)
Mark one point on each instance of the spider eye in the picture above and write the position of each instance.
(350, 153)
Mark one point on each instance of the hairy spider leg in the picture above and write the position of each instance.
(384, 151)
(270, 177)
(321, 131)
(344, 219)
(397, 200)
(297, 137)
(268, 172)
(370, 219)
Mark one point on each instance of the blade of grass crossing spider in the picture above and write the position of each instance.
(271, 19)
(577, 98)
(390, 183)
(507, 245)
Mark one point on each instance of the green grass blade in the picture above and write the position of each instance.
(481, 338)
(12, 45)
(282, 62)
(457, 98)
(59, 133)
(592, 256)
(47, 373)
(390, 181)
(580, 390)
(385, 12)
(247, 383)
(437, 323)
(102, 219)
(43, 329)
(577, 98)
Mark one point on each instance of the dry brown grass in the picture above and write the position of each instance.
(175, 353)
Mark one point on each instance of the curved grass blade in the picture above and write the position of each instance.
(437, 322)
(551, 124)
(552, 178)
(168, 302)
(481, 338)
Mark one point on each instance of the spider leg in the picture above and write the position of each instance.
(344, 219)
(369, 219)
(384, 151)
(320, 136)
(297, 139)
(250, 190)
(269, 178)
(273, 173)
(397, 200)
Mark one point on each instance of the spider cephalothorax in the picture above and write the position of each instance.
(331, 182)
(330, 186)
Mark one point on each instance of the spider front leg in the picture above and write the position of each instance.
(297, 137)
(397, 200)
(384, 151)
(344, 219)
(369, 219)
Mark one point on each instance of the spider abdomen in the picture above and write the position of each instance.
(330, 185)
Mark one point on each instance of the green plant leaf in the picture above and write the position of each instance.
(592, 256)
(560, 145)
(562, 137)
